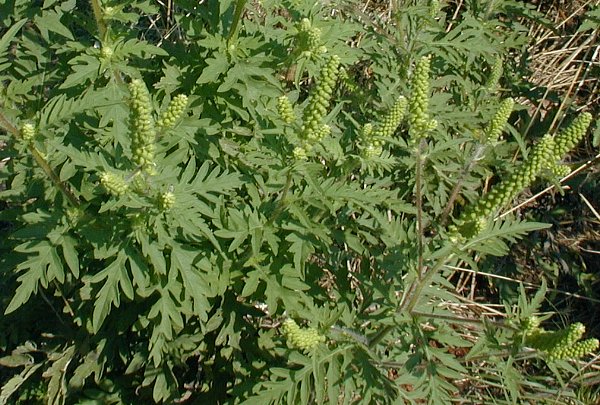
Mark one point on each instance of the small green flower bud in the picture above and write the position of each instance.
(434, 8)
(285, 110)
(319, 100)
(27, 132)
(299, 338)
(569, 137)
(560, 171)
(496, 126)
(495, 74)
(166, 201)
(418, 105)
(141, 125)
(109, 11)
(106, 52)
(73, 215)
(309, 40)
(392, 119)
(114, 183)
(300, 153)
(173, 112)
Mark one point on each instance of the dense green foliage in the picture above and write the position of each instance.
(260, 202)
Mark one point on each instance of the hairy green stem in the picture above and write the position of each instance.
(474, 158)
(99, 17)
(411, 297)
(237, 16)
(41, 161)
(419, 196)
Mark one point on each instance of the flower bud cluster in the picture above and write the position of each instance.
(106, 53)
(574, 351)
(286, 110)
(141, 125)
(392, 119)
(304, 339)
(166, 201)
(418, 105)
(434, 8)
(27, 132)
(309, 40)
(496, 125)
(319, 100)
(114, 183)
(570, 136)
(544, 157)
(174, 111)
(313, 129)
(560, 171)
(504, 192)
(371, 146)
(372, 137)
(495, 74)
(561, 344)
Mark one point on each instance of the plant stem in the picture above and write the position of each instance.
(41, 161)
(99, 17)
(411, 297)
(475, 157)
(419, 202)
(239, 9)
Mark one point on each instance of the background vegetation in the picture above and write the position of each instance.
(299, 202)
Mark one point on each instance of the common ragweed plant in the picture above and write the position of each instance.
(169, 195)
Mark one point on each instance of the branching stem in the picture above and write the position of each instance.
(41, 161)
(475, 157)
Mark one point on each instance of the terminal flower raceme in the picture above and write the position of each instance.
(561, 344)
(141, 125)
(418, 104)
(304, 339)
(27, 132)
(312, 129)
(544, 156)
(174, 111)
(286, 110)
(373, 136)
(114, 183)
(496, 126)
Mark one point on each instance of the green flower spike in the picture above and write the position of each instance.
(312, 128)
(434, 8)
(174, 111)
(304, 339)
(574, 351)
(141, 126)
(495, 74)
(372, 136)
(560, 171)
(300, 153)
(496, 126)
(114, 183)
(166, 201)
(392, 119)
(474, 218)
(309, 39)
(27, 132)
(568, 138)
(286, 110)
(561, 344)
(418, 105)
